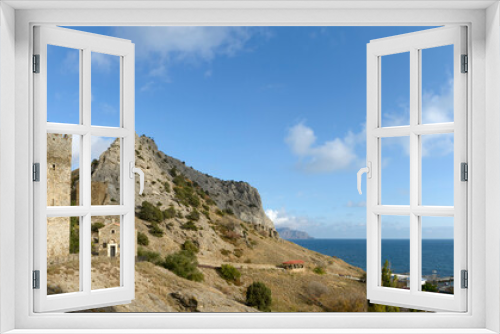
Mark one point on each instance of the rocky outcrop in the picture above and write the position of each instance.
(287, 233)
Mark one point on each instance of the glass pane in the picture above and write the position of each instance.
(395, 171)
(105, 252)
(437, 84)
(437, 169)
(105, 90)
(63, 169)
(395, 238)
(63, 248)
(105, 171)
(437, 254)
(63, 85)
(395, 89)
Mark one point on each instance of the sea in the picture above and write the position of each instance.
(437, 254)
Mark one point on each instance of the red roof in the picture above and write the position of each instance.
(294, 262)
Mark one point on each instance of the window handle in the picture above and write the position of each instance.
(134, 170)
(368, 171)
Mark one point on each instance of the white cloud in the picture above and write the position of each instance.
(208, 73)
(281, 218)
(333, 155)
(161, 46)
(437, 107)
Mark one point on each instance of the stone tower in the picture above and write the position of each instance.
(59, 156)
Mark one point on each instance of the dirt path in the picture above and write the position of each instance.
(207, 263)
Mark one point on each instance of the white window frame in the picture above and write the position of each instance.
(414, 43)
(482, 19)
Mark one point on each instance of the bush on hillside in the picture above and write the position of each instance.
(319, 271)
(150, 256)
(74, 235)
(184, 264)
(189, 246)
(142, 239)
(193, 216)
(150, 213)
(155, 230)
(190, 226)
(259, 296)
(230, 273)
(169, 213)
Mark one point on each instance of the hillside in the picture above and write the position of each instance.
(226, 224)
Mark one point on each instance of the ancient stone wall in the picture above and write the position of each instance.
(59, 156)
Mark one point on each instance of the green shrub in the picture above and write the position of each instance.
(205, 207)
(155, 230)
(74, 235)
(259, 296)
(167, 187)
(150, 213)
(206, 214)
(229, 211)
(189, 246)
(230, 273)
(238, 252)
(142, 239)
(169, 213)
(225, 252)
(319, 271)
(190, 226)
(184, 264)
(96, 226)
(153, 257)
(193, 216)
(186, 196)
(220, 213)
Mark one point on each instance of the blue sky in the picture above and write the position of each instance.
(283, 108)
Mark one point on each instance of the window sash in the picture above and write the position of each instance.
(86, 297)
(413, 43)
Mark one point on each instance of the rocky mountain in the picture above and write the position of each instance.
(287, 233)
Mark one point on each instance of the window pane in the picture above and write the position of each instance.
(105, 252)
(63, 169)
(437, 84)
(105, 171)
(437, 169)
(395, 171)
(395, 240)
(437, 254)
(105, 90)
(63, 85)
(63, 248)
(395, 90)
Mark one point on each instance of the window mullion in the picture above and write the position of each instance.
(414, 169)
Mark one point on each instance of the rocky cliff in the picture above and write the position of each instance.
(238, 198)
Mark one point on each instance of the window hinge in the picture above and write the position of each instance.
(36, 172)
(464, 171)
(465, 279)
(36, 63)
(36, 279)
(465, 64)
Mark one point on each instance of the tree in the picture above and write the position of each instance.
(189, 246)
(387, 280)
(259, 296)
(155, 230)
